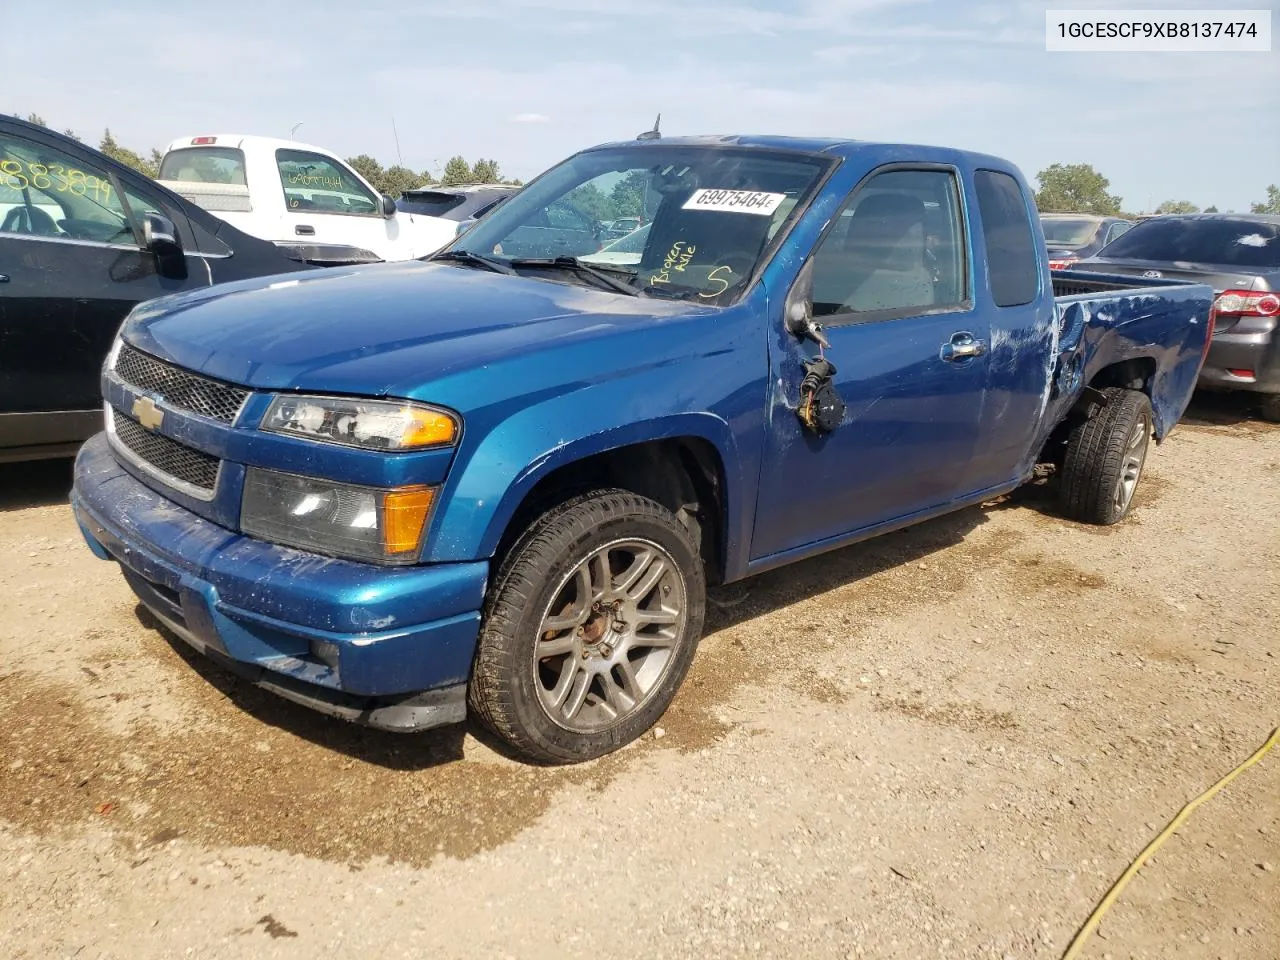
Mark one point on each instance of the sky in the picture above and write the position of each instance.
(528, 82)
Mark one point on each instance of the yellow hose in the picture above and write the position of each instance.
(1078, 942)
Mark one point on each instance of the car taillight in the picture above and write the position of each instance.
(1208, 334)
(1062, 264)
(1246, 303)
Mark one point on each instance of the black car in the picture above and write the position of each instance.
(1074, 236)
(1239, 254)
(464, 203)
(82, 240)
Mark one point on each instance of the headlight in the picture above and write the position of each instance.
(339, 519)
(371, 424)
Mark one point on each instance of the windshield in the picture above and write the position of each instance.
(1231, 242)
(1069, 232)
(708, 215)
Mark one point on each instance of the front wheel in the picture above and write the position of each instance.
(589, 628)
(1105, 456)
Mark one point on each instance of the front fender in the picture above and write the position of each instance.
(485, 490)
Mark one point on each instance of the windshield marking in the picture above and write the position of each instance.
(715, 277)
(735, 201)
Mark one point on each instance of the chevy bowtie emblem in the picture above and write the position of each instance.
(148, 414)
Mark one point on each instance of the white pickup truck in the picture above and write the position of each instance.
(293, 193)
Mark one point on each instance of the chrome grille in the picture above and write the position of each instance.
(172, 460)
(180, 388)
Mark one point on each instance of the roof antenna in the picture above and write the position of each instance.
(655, 133)
(399, 155)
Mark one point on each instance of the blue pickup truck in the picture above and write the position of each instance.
(501, 479)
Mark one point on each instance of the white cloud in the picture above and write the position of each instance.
(530, 118)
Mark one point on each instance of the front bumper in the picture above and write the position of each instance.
(1257, 349)
(387, 647)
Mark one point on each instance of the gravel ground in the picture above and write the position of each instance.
(944, 743)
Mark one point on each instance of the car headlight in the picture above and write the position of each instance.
(339, 519)
(371, 424)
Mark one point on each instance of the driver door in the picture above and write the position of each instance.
(891, 286)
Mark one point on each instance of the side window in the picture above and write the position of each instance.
(315, 184)
(897, 249)
(1117, 229)
(47, 192)
(1006, 232)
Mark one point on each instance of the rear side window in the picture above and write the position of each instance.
(1253, 244)
(203, 165)
(1006, 232)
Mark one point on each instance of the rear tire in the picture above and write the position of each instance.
(589, 628)
(1104, 458)
(1269, 408)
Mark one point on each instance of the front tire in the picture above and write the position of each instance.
(589, 628)
(1104, 458)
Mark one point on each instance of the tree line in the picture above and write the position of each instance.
(393, 180)
(1078, 188)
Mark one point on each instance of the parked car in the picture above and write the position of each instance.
(620, 227)
(1239, 255)
(625, 250)
(501, 481)
(463, 204)
(1074, 236)
(82, 240)
(283, 191)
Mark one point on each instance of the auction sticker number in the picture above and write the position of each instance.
(735, 201)
(54, 178)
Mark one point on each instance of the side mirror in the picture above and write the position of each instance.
(160, 236)
(799, 309)
(388, 207)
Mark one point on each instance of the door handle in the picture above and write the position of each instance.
(963, 346)
(304, 230)
(4, 278)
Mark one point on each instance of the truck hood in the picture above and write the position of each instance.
(385, 329)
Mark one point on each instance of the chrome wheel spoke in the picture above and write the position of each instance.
(621, 698)
(577, 694)
(557, 646)
(568, 671)
(643, 585)
(601, 578)
(581, 608)
(627, 579)
(663, 615)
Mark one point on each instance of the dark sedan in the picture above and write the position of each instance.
(82, 240)
(1239, 254)
(463, 203)
(1074, 236)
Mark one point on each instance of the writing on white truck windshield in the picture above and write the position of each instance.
(703, 219)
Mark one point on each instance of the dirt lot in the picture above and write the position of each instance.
(945, 743)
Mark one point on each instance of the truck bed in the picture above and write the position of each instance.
(1133, 329)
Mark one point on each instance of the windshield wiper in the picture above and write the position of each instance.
(473, 259)
(577, 266)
